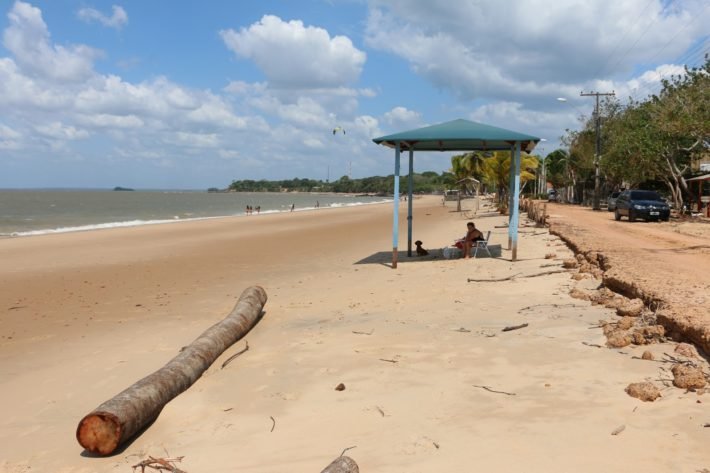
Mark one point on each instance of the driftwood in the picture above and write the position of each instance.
(342, 465)
(514, 327)
(493, 390)
(119, 418)
(231, 358)
(516, 275)
(159, 464)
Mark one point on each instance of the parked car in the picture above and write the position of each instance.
(611, 201)
(648, 205)
(552, 195)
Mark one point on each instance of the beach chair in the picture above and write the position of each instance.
(482, 244)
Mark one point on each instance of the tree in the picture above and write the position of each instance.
(496, 171)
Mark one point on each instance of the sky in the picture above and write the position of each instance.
(187, 94)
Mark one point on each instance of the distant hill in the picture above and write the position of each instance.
(118, 188)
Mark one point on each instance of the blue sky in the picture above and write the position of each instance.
(186, 94)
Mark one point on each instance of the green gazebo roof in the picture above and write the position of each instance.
(458, 135)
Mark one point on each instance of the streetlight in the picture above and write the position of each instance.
(542, 181)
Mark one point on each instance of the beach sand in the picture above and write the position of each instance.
(432, 384)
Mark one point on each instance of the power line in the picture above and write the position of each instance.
(689, 53)
(602, 69)
(655, 19)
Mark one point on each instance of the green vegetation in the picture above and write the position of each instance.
(426, 182)
(645, 143)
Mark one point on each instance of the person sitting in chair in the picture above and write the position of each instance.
(472, 236)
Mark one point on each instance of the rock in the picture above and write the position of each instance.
(580, 258)
(688, 377)
(646, 335)
(626, 323)
(647, 355)
(569, 264)
(618, 339)
(593, 258)
(607, 327)
(633, 308)
(580, 294)
(615, 302)
(597, 273)
(646, 391)
(340, 387)
(551, 255)
(579, 276)
(585, 267)
(687, 350)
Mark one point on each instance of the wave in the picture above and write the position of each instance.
(175, 219)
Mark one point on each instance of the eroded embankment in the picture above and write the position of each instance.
(682, 320)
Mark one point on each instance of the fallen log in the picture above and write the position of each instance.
(118, 419)
(342, 465)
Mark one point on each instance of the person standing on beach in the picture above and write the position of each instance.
(317, 204)
(293, 206)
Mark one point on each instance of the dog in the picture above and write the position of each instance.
(420, 251)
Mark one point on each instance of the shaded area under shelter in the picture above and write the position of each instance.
(457, 135)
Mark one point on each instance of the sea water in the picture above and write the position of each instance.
(36, 212)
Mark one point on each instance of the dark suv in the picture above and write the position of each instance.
(648, 205)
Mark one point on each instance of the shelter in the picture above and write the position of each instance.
(701, 180)
(457, 135)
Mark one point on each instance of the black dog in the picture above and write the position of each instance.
(420, 251)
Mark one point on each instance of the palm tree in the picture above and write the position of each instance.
(496, 171)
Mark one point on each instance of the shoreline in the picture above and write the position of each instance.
(90, 313)
(161, 221)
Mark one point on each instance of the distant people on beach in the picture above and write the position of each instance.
(293, 206)
(317, 204)
(248, 212)
(258, 209)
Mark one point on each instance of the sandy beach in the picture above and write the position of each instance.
(432, 383)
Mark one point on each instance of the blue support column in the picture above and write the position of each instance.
(410, 191)
(511, 179)
(515, 197)
(395, 214)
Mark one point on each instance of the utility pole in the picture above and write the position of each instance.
(597, 146)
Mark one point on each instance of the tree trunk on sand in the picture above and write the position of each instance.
(342, 465)
(119, 418)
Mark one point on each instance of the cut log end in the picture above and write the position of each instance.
(99, 432)
(342, 465)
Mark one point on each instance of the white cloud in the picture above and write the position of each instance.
(293, 55)
(195, 140)
(401, 116)
(116, 20)
(7, 133)
(313, 143)
(28, 39)
(60, 131)
(525, 50)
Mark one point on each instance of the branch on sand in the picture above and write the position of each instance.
(493, 390)
(509, 278)
(160, 464)
(514, 327)
(229, 360)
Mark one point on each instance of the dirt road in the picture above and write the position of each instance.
(666, 264)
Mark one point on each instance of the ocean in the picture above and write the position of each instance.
(37, 212)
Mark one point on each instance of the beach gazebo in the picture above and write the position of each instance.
(457, 135)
